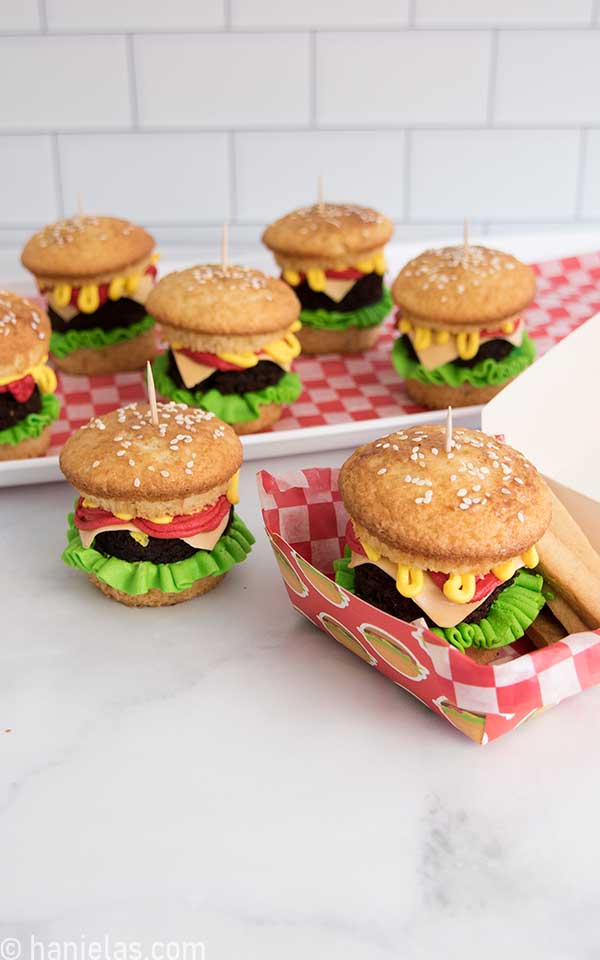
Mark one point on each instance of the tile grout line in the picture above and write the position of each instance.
(227, 14)
(583, 145)
(233, 199)
(412, 13)
(312, 79)
(58, 186)
(407, 174)
(492, 76)
(43, 14)
(132, 79)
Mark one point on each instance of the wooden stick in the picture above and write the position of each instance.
(320, 194)
(449, 440)
(151, 393)
(466, 233)
(79, 208)
(225, 244)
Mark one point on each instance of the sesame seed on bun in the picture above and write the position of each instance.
(463, 286)
(24, 335)
(85, 247)
(129, 465)
(460, 511)
(328, 235)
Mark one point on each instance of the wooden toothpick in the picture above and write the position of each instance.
(79, 208)
(225, 244)
(465, 234)
(151, 394)
(449, 440)
(320, 194)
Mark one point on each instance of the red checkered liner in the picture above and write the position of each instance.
(305, 520)
(340, 389)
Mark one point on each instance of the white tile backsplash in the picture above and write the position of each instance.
(497, 175)
(442, 13)
(120, 16)
(223, 80)
(18, 16)
(591, 176)
(277, 171)
(63, 83)
(182, 113)
(399, 78)
(347, 14)
(27, 180)
(548, 77)
(169, 178)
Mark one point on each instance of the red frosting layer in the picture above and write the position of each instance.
(209, 359)
(20, 389)
(185, 525)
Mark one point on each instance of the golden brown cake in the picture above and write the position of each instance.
(154, 522)
(231, 335)
(96, 273)
(28, 406)
(459, 315)
(332, 254)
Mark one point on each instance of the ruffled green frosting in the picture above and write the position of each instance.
(482, 374)
(512, 612)
(230, 407)
(137, 578)
(62, 344)
(32, 425)
(368, 316)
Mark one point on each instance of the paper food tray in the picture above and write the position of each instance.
(343, 396)
(305, 520)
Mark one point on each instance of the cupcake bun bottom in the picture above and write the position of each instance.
(114, 358)
(156, 598)
(315, 340)
(438, 398)
(31, 447)
(269, 414)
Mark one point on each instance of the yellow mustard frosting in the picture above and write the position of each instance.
(43, 375)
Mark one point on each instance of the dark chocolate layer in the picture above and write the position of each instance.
(120, 544)
(113, 313)
(496, 349)
(264, 374)
(11, 411)
(367, 290)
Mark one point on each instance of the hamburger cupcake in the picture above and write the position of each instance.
(96, 273)
(463, 338)
(231, 335)
(446, 537)
(154, 522)
(332, 255)
(28, 406)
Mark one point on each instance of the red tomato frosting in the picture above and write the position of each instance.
(21, 389)
(185, 525)
(209, 359)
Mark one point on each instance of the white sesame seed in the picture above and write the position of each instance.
(95, 464)
(120, 453)
(462, 492)
(520, 516)
(164, 473)
(381, 472)
(464, 506)
(136, 482)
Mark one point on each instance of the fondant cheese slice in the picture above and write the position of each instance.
(191, 373)
(437, 354)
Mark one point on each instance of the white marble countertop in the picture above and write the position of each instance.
(222, 772)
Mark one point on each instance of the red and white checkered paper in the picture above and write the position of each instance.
(306, 519)
(340, 389)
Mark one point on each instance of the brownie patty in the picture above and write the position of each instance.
(494, 349)
(11, 411)
(264, 374)
(120, 544)
(113, 313)
(379, 589)
(367, 290)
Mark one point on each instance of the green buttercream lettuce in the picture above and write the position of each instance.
(32, 425)
(512, 612)
(230, 407)
(482, 374)
(368, 316)
(137, 578)
(62, 344)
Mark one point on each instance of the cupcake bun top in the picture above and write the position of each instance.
(463, 285)
(216, 299)
(329, 232)
(129, 465)
(462, 511)
(86, 246)
(24, 335)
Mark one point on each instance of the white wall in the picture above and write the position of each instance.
(180, 113)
